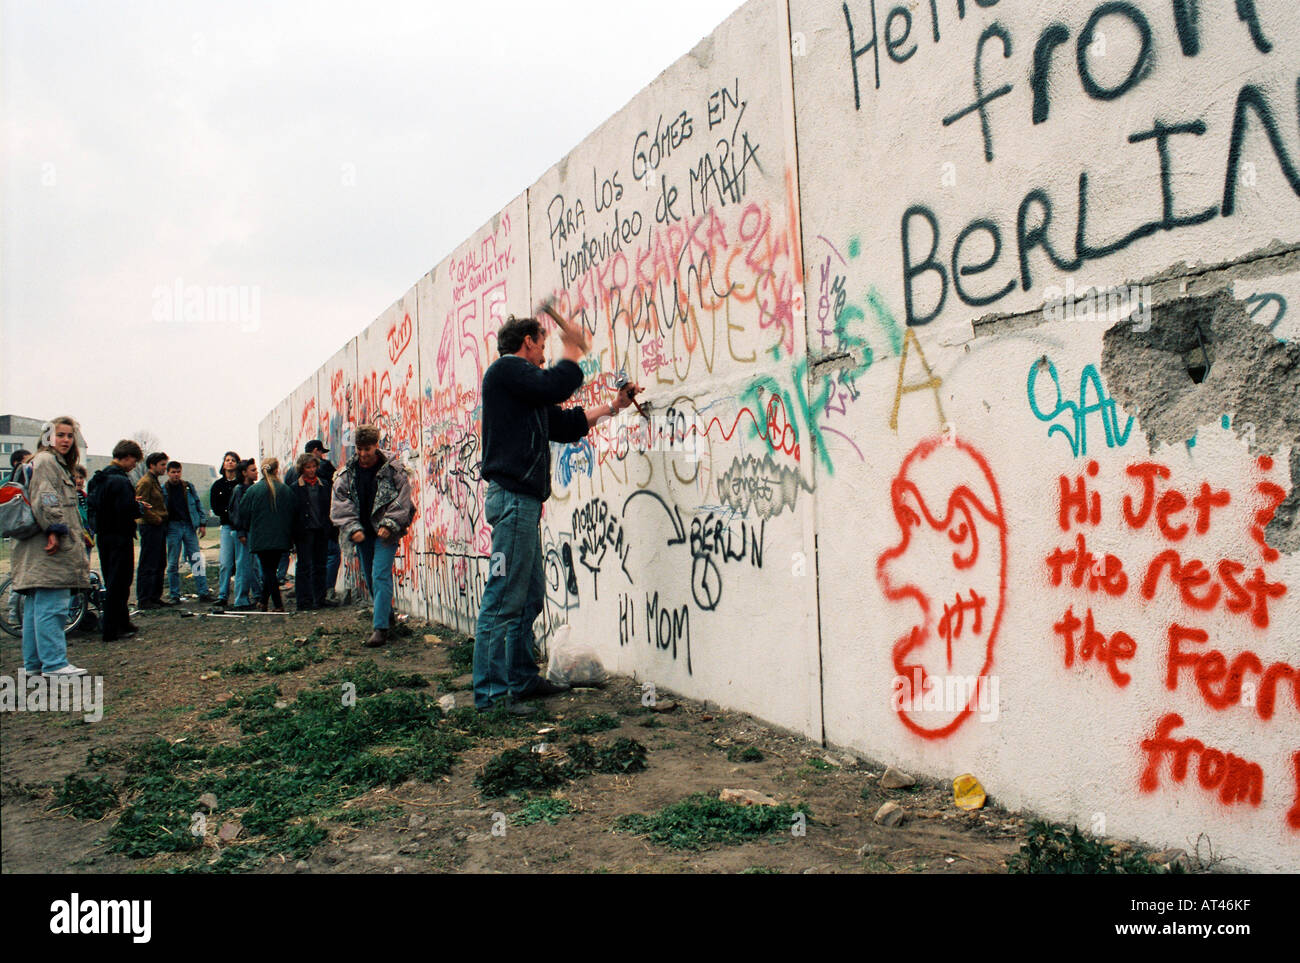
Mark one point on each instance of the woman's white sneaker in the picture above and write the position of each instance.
(67, 670)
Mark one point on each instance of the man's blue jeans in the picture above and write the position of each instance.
(45, 616)
(178, 534)
(377, 567)
(229, 549)
(332, 559)
(504, 664)
(247, 575)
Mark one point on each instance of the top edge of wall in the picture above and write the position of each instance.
(704, 43)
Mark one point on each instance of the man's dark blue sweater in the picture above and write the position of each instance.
(521, 416)
(112, 496)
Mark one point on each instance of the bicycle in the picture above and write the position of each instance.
(84, 609)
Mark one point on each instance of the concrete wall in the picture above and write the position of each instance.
(462, 302)
(388, 396)
(968, 331)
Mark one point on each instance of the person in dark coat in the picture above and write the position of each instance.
(269, 509)
(17, 460)
(333, 556)
(219, 500)
(248, 575)
(113, 506)
(521, 401)
(311, 532)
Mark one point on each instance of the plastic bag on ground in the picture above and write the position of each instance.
(572, 663)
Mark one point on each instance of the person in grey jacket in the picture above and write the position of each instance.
(371, 504)
(51, 564)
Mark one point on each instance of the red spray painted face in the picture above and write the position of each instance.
(951, 563)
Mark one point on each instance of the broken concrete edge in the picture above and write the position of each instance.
(1194, 309)
(1171, 283)
(1252, 376)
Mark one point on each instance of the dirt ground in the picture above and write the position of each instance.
(176, 672)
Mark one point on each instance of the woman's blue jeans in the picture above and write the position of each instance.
(247, 577)
(226, 561)
(45, 616)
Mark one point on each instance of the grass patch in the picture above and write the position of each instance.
(497, 724)
(622, 755)
(744, 754)
(545, 809)
(85, 798)
(817, 763)
(287, 656)
(1054, 850)
(701, 820)
(586, 725)
(516, 770)
(460, 654)
(289, 767)
(370, 679)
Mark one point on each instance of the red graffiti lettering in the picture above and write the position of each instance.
(1210, 667)
(1236, 779)
(1170, 503)
(1103, 574)
(1120, 647)
(1274, 495)
(1191, 576)
(399, 336)
(1085, 510)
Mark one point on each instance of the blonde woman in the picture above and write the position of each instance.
(268, 508)
(50, 565)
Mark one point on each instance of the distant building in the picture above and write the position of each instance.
(17, 433)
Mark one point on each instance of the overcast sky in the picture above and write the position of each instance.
(320, 156)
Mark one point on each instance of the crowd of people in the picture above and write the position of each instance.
(313, 511)
(262, 522)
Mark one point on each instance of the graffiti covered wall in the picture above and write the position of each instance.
(463, 301)
(1031, 216)
(972, 416)
(336, 413)
(672, 236)
(388, 396)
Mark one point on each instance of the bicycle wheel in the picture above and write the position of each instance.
(11, 609)
(76, 611)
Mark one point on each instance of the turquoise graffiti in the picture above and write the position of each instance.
(1075, 430)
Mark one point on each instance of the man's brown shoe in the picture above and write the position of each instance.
(377, 638)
